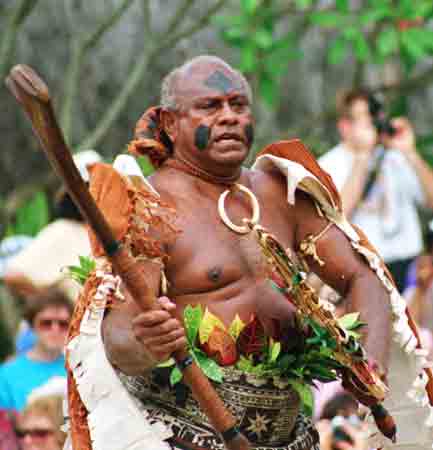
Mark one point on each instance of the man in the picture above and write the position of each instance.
(48, 314)
(380, 188)
(207, 125)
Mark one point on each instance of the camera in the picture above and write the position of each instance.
(339, 434)
(380, 121)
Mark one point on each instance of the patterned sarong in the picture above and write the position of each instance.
(267, 412)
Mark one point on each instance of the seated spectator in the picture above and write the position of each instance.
(48, 314)
(39, 427)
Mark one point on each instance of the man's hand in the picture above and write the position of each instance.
(159, 332)
(404, 137)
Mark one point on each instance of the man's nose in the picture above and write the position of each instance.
(227, 115)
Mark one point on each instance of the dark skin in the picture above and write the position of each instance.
(213, 266)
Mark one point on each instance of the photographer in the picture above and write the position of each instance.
(380, 185)
(340, 427)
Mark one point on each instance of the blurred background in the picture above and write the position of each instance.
(104, 61)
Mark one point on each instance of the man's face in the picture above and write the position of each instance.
(51, 327)
(214, 123)
(359, 129)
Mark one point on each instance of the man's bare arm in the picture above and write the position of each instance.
(349, 274)
(135, 341)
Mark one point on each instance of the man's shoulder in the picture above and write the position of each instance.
(267, 182)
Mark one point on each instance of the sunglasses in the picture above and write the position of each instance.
(47, 324)
(37, 433)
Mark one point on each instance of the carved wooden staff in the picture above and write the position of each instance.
(32, 93)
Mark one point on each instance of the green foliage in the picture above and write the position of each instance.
(192, 317)
(81, 273)
(372, 32)
(264, 53)
(31, 217)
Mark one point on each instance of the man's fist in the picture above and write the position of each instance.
(159, 332)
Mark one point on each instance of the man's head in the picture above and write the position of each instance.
(49, 313)
(206, 113)
(355, 123)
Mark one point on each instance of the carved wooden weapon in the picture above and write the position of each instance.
(365, 379)
(33, 95)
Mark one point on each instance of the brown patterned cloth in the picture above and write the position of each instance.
(268, 415)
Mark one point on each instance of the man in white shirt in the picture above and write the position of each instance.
(380, 186)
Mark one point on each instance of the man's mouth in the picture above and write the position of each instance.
(228, 137)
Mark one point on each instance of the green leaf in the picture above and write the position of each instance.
(274, 351)
(192, 318)
(88, 264)
(170, 362)
(348, 320)
(374, 15)
(32, 216)
(328, 19)
(387, 41)
(248, 58)
(209, 367)
(82, 272)
(303, 3)
(337, 51)
(410, 42)
(263, 39)
(249, 6)
(360, 47)
(175, 376)
(268, 89)
(342, 5)
(305, 395)
(285, 361)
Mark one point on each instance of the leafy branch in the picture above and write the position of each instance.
(80, 47)
(9, 34)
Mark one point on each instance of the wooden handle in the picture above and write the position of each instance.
(32, 93)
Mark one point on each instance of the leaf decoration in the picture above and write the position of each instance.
(252, 340)
(209, 367)
(349, 320)
(236, 327)
(175, 376)
(306, 396)
(81, 273)
(274, 351)
(207, 325)
(222, 347)
(170, 362)
(192, 318)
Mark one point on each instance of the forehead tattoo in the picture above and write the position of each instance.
(221, 82)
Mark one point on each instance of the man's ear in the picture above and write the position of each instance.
(169, 123)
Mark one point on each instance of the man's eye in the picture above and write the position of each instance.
(208, 105)
(239, 103)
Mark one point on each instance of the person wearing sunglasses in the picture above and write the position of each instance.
(38, 427)
(48, 313)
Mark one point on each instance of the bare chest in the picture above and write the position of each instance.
(209, 257)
